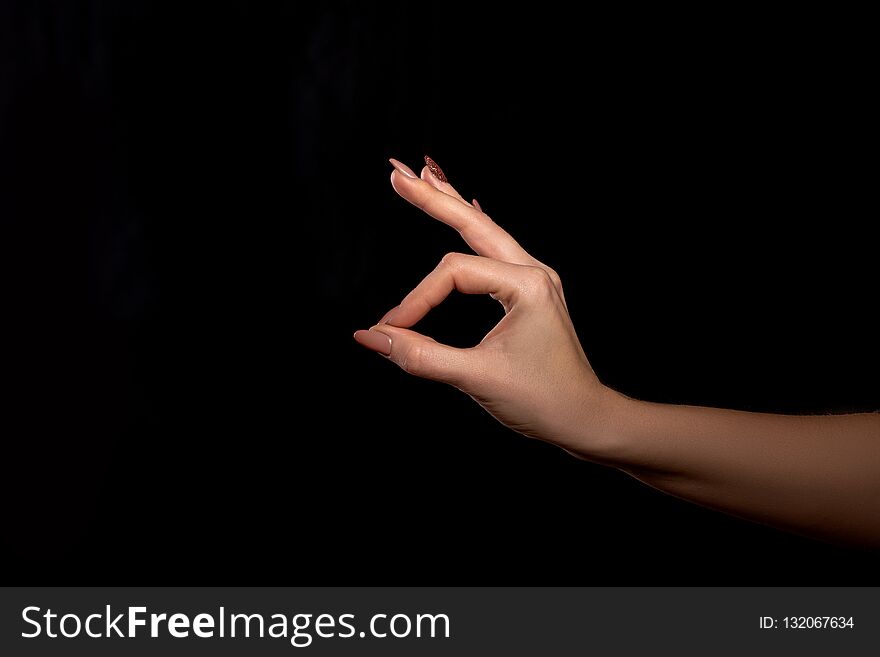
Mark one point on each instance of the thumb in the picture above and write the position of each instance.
(418, 354)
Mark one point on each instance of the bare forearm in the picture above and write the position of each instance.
(814, 475)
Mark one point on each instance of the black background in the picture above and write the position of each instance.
(196, 216)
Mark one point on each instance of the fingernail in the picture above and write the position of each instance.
(435, 169)
(476, 204)
(400, 166)
(386, 318)
(374, 340)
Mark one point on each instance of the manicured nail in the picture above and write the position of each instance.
(435, 169)
(477, 205)
(400, 166)
(388, 316)
(374, 340)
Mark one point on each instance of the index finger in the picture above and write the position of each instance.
(465, 273)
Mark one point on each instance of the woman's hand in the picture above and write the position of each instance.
(530, 371)
(818, 476)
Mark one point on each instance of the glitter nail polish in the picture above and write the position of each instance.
(435, 169)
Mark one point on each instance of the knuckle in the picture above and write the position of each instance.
(554, 277)
(420, 197)
(413, 360)
(538, 283)
(539, 276)
(452, 260)
(477, 238)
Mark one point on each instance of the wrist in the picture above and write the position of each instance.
(613, 439)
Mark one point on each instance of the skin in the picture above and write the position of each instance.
(814, 475)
